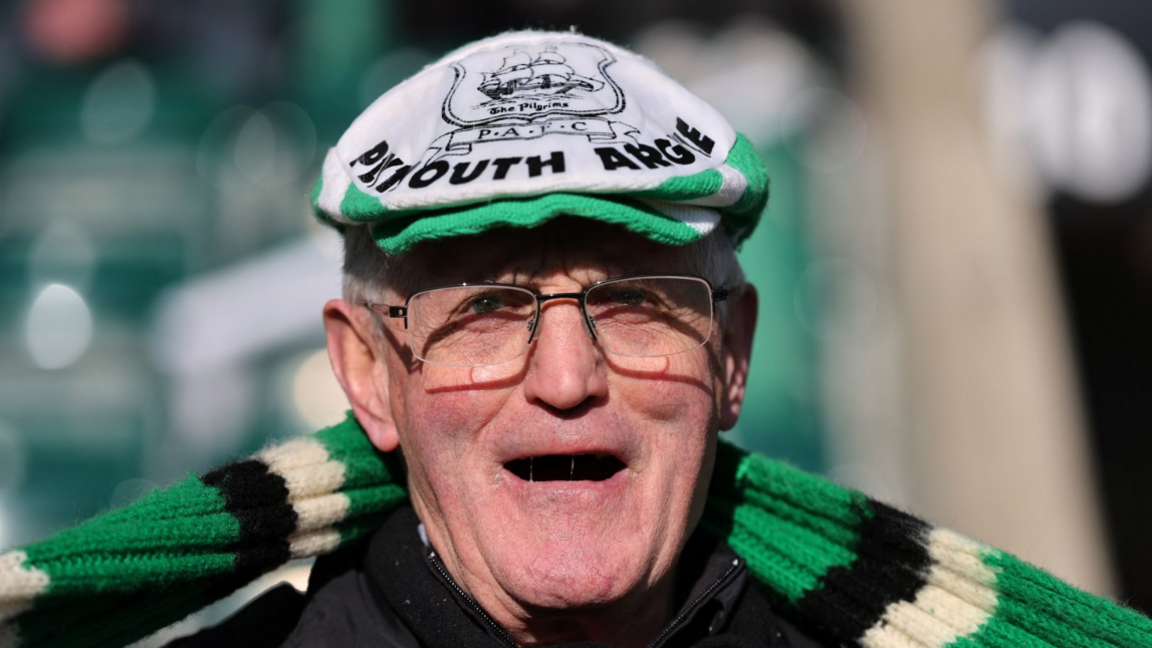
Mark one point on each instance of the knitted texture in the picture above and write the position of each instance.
(679, 211)
(122, 576)
(834, 560)
(533, 114)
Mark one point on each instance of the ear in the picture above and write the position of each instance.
(361, 371)
(736, 353)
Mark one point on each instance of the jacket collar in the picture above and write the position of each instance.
(710, 580)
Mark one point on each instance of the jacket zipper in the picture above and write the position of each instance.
(687, 612)
(500, 633)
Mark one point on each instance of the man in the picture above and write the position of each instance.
(543, 332)
(558, 423)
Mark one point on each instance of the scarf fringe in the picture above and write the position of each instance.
(832, 559)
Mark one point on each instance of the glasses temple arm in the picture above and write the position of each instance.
(386, 309)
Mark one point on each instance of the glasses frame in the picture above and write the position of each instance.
(401, 312)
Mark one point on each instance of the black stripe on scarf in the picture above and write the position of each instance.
(259, 501)
(891, 565)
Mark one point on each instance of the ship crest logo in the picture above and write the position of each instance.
(522, 84)
(543, 77)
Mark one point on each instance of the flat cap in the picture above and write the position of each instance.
(522, 127)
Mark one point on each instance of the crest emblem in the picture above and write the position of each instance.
(522, 84)
(533, 109)
(544, 77)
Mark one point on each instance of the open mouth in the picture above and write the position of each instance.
(581, 467)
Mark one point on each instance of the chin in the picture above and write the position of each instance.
(581, 545)
(567, 578)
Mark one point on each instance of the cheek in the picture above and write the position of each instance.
(444, 413)
(438, 439)
(678, 389)
(457, 416)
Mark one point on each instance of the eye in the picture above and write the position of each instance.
(630, 297)
(484, 304)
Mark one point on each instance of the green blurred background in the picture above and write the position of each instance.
(161, 278)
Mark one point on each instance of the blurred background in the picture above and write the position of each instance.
(955, 266)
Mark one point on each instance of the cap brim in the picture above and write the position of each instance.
(662, 222)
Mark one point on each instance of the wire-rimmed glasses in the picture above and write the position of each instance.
(481, 324)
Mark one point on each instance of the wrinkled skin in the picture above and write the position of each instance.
(551, 560)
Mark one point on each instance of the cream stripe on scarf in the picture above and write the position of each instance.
(948, 606)
(302, 545)
(17, 581)
(18, 584)
(312, 481)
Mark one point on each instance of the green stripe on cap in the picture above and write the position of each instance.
(398, 236)
(743, 158)
(397, 230)
(359, 206)
(685, 188)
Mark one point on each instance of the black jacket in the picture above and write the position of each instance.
(392, 592)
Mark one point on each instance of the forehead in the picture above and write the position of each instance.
(578, 247)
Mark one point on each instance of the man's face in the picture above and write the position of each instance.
(639, 434)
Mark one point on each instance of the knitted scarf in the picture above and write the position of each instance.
(832, 559)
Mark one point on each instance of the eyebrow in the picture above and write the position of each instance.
(593, 269)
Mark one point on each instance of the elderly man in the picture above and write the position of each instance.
(553, 335)
(556, 393)
(543, 332)
(544, 313)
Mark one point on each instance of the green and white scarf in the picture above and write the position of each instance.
(832, 559)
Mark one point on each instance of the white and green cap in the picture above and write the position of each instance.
(522, 127)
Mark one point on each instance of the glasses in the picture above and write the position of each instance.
(475, 325)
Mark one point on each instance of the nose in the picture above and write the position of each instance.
(565, 367)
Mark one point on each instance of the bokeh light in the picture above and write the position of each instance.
(255, 149)
(70, 31)
(1090, 107)
(316, 395)
(162, 266)
(119, 104)
(59, 327)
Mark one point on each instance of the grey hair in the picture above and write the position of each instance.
(368, 270)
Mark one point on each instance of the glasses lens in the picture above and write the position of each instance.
(651, 316)
(470, 326)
